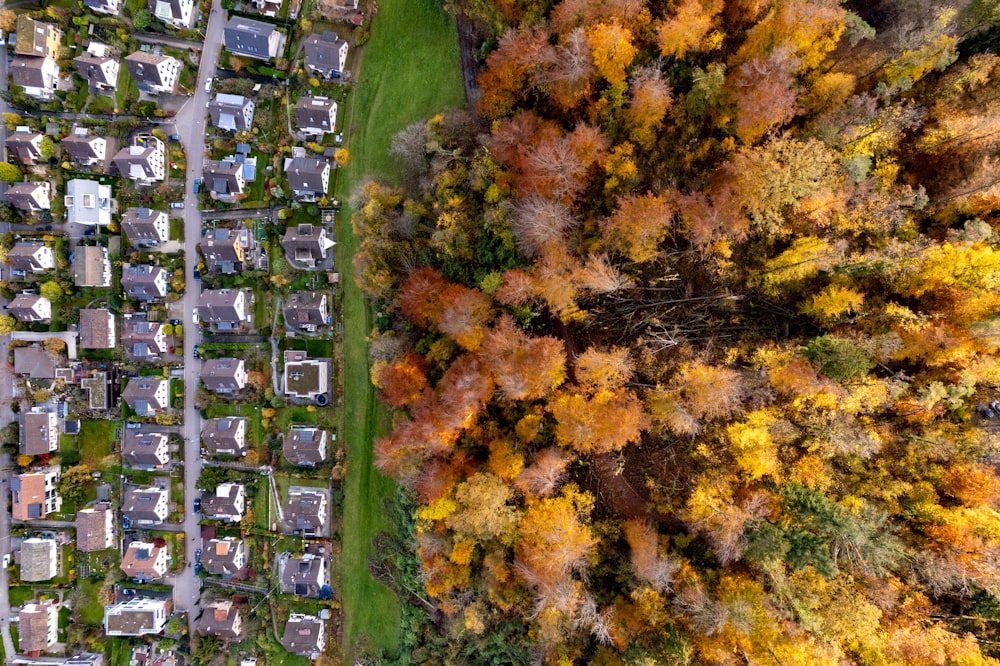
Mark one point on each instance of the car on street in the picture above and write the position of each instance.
(194, 317)
(197, 273)
(197, 504)
(175, 137)
(197, 185)
(208, 84)
(175, 322)
(195, 353)
(197, 555)
(177, 204)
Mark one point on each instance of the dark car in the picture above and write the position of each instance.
(195, 353)
(197, 506)
(175, 137)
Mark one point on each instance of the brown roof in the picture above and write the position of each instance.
(305, 446)
(23, 256)
(33, 627)
(36, 433)
(23, 307)
(91, 527)
(218, 619)
(139, 560)
(89, 263)
(29, 496)
(306, 308)
(95, 328)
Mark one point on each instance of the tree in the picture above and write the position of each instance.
(341, 157)
(838, 358)
(649, 559)
(611, 50)
(484, 509)
(523, 367)
(8, 20)
(710, 392)
(73, 483)
(544, 474)
(141, 19)
(765, 94)
(604, 422)
(604, 370)
(688, 27)
(41, 395)
(24, 461)
(46, 148)
(651, 99)
(54, 346)
(463, 315)
(9, 173)
(402, 381)
(639, 225)
(7, 324)
(51, 290)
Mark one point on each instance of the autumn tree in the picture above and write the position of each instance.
(688, 28)
(605, 421)
(639, 225)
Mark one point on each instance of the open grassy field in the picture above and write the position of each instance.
(409, 72)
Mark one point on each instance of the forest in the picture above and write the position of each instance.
(691, 328)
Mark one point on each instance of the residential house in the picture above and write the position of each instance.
(30, 197)
(31, 257)
(224, 375)
(268, 7)
(143, 161)
(111, 7)
(37, 39)
(138, 616)
(227, 503)
(306, 378)
(147, 396)
(38, 76)
(306, 310)
(250, 38)
(34, 362)
(315, 115)
(144, 282)
(144, 561)
(144, 340)
(225, 179)
(39, 433)
(226, 309)
(87, 202)
(145, 450)
(225, 435)
(222, 619)
(26, 145)
(224, 557)
(83, 148)
(97, 328)
(37, 627)
(95, 528)
(154, 74)
(178, 13)
(145, 227)
(306, 511)
(144, 507)
(29, 308)
(304, 575)
(91, 266)
(305, 635)
(98, 67)
(231, 112)
(308, 177)
(223, 250)
(35, 495)
(325, 54)
(306, 245)
(305, 446)
(39, 559)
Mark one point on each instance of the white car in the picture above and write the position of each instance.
(195, 318)
(208, 85)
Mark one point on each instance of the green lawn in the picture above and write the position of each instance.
(20, 594)
(91, 612)
(392, 93)
(96, 438)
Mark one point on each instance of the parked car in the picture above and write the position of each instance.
(194, 315)
(985, 411)
(177, 204)
(208, 84)
(175, 137)
(195, 353)
(197, 504)
(197, 185)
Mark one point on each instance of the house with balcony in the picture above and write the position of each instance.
(305, 635)
(147, 396)
(177, 13)
(83, 148)
(144, 561)
(35, 495)
(37, 627)
(306, 511)
(144, 282)
(306, 245)
(88, 202)
(144, 340)
(306, 378)
(325, 55)
(231, 112)
(225, 179)
(145, 507)
(251, 39)
(39, 433)
(226, 556)
(222, 619)
(306, 310)
(224, 376)
(315, 115)
(97, 329)
(95, 528)
(226, 309)
(154, 74)
(25, 145)
(227, 503)
(145, 227)
(308, 177)
(143, 449)
(225, 435)
(143, 162)
(305, 446)
(304, 575)
(98, 67)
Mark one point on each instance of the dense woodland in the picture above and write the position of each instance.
(686, 326)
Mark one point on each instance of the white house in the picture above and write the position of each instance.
(30, 197)
(143, 161)
(136, 617)
(38, 76)
(177, 13)
(87, 202)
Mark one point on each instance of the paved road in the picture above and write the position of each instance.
(238, 214)
(48, 524)
(190, 125)
(153, 38)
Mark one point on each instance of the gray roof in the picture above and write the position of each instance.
(139, 225)
(33, 627)
(302, 510)
(22, 256)
(215, 507)
(322, 52)
(139, 448)
(90, 67)
(302, 633)
(304, 241)
(301, 575)
(140, 394)
(220, 176)
(81, 148)
(95, 328)
(176, 12)
(219, 306)
(245, 36)
(304, 446)
(97, 4)
(27, 71)
(139, 281)
(34, 362)
(217, 619)
(139, 338)
(89, 264)
(35, 433)
(136, 159)
(222, 250)
(314, 112)
(305, 174)
(219, 374)
(218, 556)
(22, 195)
(219, 434)
(22, 144)
(229, 112)
(130, 621)
(91, 527)
(139, 504)
(22, 307)
(306, 308)
(142, 67)
(36, 559)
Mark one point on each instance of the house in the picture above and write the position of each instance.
(39, 559)
(34, 495)
(315, 115)
(225, 179)
(231, 112)
(97, 328)
(30, 308)
(136, 617)
(147, 396)
(91, 266)
(95, 528)
(144, 282)
(305, 575)
(267, 7)
(111, 7)
(145, 227)
(84, 149)
(37, 39)
(226, 309)
(37, 626)
(144, 340)
(154, 74)
(177, 13)
(39, 433)
(224, 375)
(224, 557)
(306, 378)
(34, 362)
(26, 145)
(143, 161)
(31, 257)
(144, 507)
(87, 202)
(325, 54)
(97, 387)
(305, 635)
(227, 503)
(250, 38)
(38, 76)
(146, 654)
(308, 177)
(144, 561)
(145, 450)
(29, 197)
(223, 251)
(221, 619)
(306, 511)
(97, 67)
(305, 446)
(225, 435)
(306, 310)
(306, 245)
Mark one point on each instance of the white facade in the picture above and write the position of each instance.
(178, 13)
(156, 609)
(50, 76)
